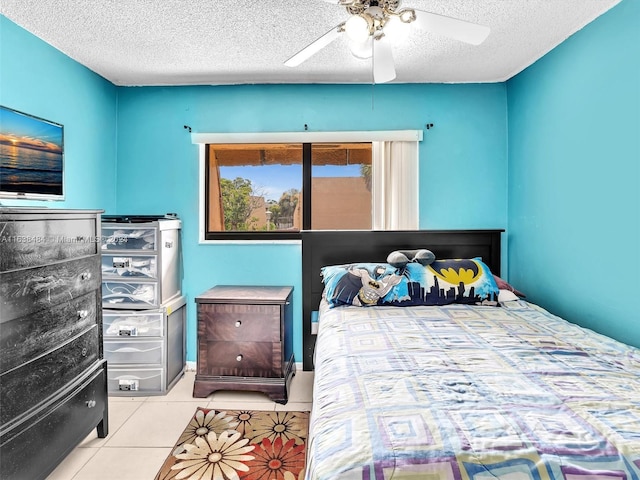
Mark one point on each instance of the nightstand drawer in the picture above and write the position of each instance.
(231, 322)
(243, 359)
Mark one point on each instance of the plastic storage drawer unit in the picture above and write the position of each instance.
(140, 261)
(145, 349)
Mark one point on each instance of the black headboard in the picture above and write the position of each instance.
(329, 247)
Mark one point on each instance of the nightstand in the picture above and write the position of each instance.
(245, 340)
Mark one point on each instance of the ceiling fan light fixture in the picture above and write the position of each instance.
(357, 28)
(395, 29)
(362, 50)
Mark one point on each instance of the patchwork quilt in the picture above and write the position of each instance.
(471, 393)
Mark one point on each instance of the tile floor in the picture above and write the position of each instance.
(142, 430)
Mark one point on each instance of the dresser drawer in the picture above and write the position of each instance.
(24, 387)
(240, 322)
(138, 323)
(54, 430)
(23, 292)
(124, 380)
(129, 266)
(25, 338)
(136, 351)
(244, 359)
(129, 238)
(33, 243)
(127, 294)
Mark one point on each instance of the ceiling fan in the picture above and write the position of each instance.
(372, 24)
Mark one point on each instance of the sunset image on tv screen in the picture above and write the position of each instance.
(31, 155)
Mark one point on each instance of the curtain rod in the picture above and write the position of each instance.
(307, 137)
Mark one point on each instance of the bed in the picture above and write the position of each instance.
(459, 390)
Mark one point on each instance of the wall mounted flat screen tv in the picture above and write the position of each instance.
(31, 157)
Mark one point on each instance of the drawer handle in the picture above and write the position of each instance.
(238, 323)
(83, 314)
(239, 358)
(91, 403)
(84, 352)
(85, 275)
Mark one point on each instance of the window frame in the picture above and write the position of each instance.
(204, 139)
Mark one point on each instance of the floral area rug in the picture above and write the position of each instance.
(239, 444)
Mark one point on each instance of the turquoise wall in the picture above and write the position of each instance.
(574, 176)
(569, 125)
(462, 176)
(37, 79)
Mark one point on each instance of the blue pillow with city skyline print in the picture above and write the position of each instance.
(466, 281)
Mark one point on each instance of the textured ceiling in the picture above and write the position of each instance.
(187, 42)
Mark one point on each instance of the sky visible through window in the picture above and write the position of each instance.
(272, 180)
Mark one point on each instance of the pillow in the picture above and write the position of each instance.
(507, 296)
(467, 281)
(399, 258)
(361, 284)
(502, 285)
(442, 282)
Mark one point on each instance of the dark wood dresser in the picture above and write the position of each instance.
(53, 378)
(245, 340)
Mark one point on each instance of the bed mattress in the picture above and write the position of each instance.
(471, 392)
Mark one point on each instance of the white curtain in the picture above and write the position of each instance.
(395, 186)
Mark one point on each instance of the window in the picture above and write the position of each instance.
(341, 186)
(272, 190)
(258, 189)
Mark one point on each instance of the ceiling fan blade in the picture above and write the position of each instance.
(314, 47)
(455, 28)
(384, 69)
